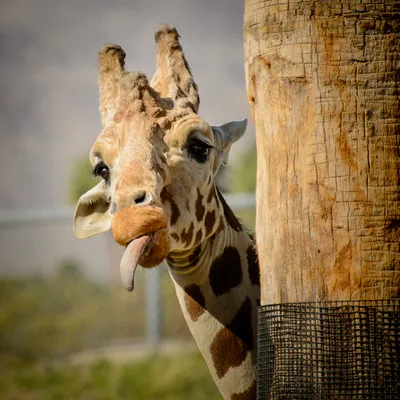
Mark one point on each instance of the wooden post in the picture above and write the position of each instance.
(323, 85)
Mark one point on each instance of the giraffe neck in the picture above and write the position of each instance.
(217, 284)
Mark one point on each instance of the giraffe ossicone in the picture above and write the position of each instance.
(157, 159)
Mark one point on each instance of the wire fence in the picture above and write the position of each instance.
(329, 350)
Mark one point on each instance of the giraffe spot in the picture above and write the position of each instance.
(211, 195)
(209, 222)
(199, 236)
(200, 209)
(194, 301)
(225, 271)
(194, 257)
(220, 226)
(229, 215)
(157, 112)
(174, 212)
(180, 94)
(249, 394)
(241, 324)
(232, 343)
(218, 230)
(227, 351)
(156, 165)
(166, 123)
(166, 197)
(186, 237)
(175, 236)
(209, 180)
(252, 262)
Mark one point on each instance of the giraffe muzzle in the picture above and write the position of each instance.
(144, 232)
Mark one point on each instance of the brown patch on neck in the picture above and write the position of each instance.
(175, 236)
(220, 228)
(187, 237)
(211, 194)
(226, 271)
(229, 215)
(198, 237)
(249, 394)
(166, 196)
(195, 301)
(156, 165)
(232, 344)
(252, 263)
(209, 222)
(200, 209)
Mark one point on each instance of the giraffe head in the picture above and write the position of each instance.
(156, 157)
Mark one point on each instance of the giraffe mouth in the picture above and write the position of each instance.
(146, 250)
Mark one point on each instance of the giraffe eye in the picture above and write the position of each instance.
(199, 151)
(102, 170)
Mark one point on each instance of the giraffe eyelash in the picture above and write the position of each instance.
(199, 150)
(101, 169)
(201, 141)
(96, 169)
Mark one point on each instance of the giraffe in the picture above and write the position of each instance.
(157, 159)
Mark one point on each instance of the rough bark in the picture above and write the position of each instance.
(323, 85)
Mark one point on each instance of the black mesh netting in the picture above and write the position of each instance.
(329, 350)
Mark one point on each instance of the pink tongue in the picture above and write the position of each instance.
(130, 261)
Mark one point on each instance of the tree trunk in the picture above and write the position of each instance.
(323, 85)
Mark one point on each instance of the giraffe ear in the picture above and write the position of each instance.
(91, 213)
(224, 136)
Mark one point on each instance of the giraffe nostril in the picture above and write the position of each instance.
(141, 197)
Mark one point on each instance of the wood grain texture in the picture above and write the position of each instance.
(323, 86)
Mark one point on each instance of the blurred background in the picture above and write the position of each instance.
(68, 329)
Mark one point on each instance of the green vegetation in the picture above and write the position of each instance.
(244, 173)
(244, 180)
(67, 312)
(156, 378)
(81, 179)
(44, 320)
